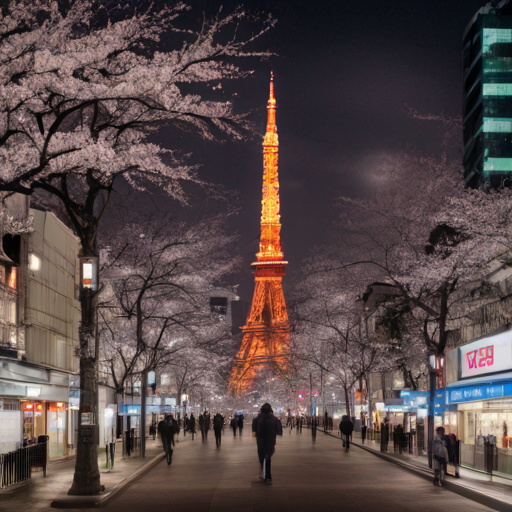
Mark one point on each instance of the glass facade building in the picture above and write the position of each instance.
(487, 97)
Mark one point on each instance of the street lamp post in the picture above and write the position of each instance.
(436, 367)
(86, 479)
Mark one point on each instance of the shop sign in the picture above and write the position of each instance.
(86, 418)
(489, 355)
(475, 393)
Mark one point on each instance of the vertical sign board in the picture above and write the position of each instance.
(488, 355)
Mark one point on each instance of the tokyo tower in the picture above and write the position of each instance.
(266, 331)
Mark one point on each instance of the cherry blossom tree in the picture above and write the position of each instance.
(82, 88)
(155, 312)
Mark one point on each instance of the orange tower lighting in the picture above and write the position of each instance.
(267, 330)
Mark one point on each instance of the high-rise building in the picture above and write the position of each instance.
(487, 97)
(266, 331)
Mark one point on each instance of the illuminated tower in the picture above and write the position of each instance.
(266, 331)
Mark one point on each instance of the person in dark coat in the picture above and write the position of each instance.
(207, 424)
(363, 432)
(234, 424)
(384, 435)
(167, 428)
(346, 428)
(453, 446)
(192, 425)
(266, 427)
(218, 424)
(240, 424)
(201, 425)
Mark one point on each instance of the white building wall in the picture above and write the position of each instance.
(52, 312)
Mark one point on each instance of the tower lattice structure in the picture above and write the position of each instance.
(266, 331)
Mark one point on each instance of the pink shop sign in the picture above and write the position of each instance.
(489, 355)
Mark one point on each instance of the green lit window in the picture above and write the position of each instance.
(498, 164)
(497, 125)
(495, 35)
(497, 65)
(497, 89)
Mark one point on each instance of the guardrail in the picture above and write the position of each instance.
(16, 466)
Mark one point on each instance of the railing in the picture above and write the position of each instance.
(16, 466)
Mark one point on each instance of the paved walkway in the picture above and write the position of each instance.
(498, 487)
(38, 495)
(307, 476)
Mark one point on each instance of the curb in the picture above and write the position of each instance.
(467, 492)
(68, 502)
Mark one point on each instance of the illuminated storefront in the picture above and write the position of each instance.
(35, 403)
(479, 401)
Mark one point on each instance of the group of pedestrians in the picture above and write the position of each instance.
(265, 428)
(446, 450)
(237, 423)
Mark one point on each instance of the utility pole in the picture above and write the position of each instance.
(143, 421)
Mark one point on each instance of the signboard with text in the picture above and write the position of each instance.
(488, 355)
(477, 393)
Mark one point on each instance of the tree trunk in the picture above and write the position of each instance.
(347, 401)
(86, 480)
(143, 409)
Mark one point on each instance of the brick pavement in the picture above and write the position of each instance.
(307, 476)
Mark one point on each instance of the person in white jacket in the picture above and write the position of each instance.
(440, 456)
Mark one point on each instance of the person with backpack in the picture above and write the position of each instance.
(167, 428)
(266, 427)
(218, 424)
(440, 457)
(346, 428)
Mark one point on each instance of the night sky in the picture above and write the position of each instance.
(344, 74)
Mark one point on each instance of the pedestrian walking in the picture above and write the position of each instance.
(240, 424)
(384, 435)
(363, 433)
(207, 424)
(185, 425)
(218, 424)
(346, 428)
(167, 428)
(454, 453)
(201, 426)
(440, 457)
(266, 427)
(192, 425)
(234, 424)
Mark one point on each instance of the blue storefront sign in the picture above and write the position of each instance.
(439, 402)
(482, 392)
(414, 399)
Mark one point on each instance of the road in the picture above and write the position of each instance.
(306, 476)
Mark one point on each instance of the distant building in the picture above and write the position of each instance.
(487, 97)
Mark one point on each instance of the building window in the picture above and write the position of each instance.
(219, 305)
